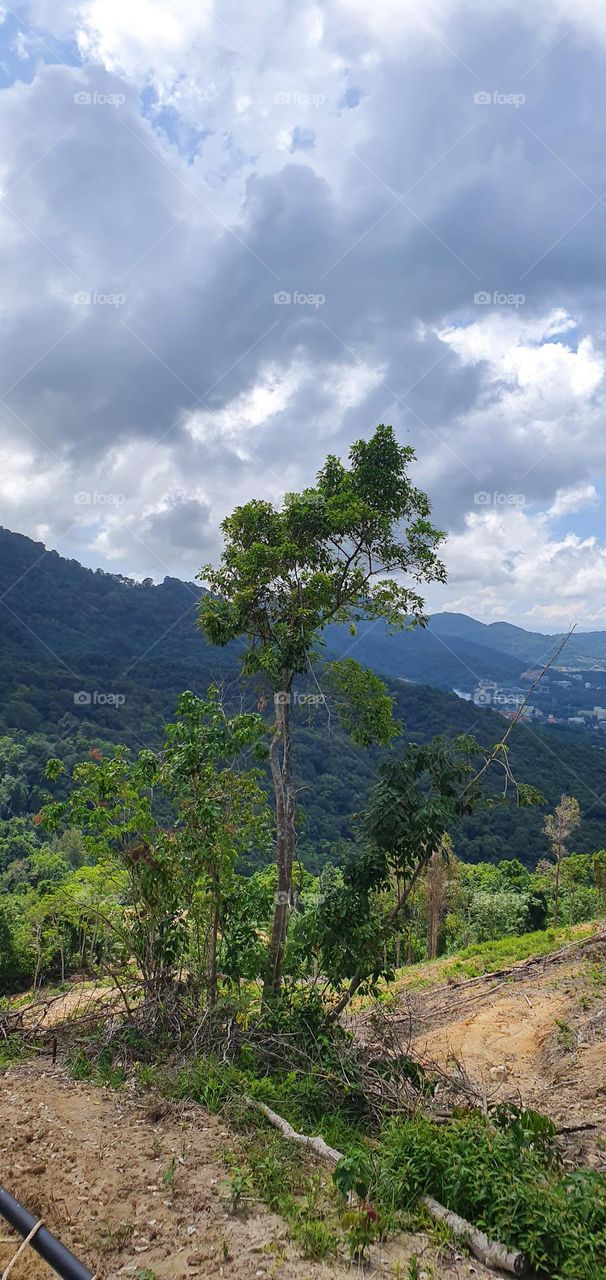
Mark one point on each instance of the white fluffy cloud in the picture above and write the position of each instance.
(507, 563)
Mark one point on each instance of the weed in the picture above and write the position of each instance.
(12, 1050)
(168, 1177)
(111, 1238)
(240, 1186)
(79, 1066)
(361, 1227)
(505, 1179)
(316, 1239)
(565, 1037)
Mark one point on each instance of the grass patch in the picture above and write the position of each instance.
(483, 957)
(12, 1050)
(101, 1071)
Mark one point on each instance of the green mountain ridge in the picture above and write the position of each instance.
(90, 658)
(583, 648)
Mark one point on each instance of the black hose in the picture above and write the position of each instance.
(43, 1243)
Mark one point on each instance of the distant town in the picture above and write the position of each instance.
(572, 698)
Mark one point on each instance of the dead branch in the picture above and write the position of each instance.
(317, 1145)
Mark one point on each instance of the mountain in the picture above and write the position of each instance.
(425, 655)
(583, 649)
(91, 658)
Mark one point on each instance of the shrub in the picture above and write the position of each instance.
(504, 1178)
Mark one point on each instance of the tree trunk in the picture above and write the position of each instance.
(556, 899)
(212, 949)
(282, 776)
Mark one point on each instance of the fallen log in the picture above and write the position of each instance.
(318, 1145)
(490, 1252)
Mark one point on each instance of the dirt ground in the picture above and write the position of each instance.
(92, 1162)
(536, 1036)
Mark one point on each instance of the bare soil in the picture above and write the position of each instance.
(536, 1036)
(94, 1164)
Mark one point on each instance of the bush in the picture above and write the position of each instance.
(17, 959)
(501, 1174)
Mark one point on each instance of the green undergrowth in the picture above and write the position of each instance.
(12, 1050)
(502, 1173)
(101, 1070)
(300, 1099)
(484, 957)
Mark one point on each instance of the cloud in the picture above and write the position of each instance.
(195, 163)
(573, 499)
(506, 564)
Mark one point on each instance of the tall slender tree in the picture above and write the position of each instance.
(354, 546)
(559, 825)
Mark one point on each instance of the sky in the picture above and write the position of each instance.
(233, 241)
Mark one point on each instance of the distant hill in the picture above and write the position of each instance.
(583, 649)
(425, 655)
(67, 631)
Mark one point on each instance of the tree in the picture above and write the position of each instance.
(598, 871)
(177, 879)
(111, 803)
(327, 556)
(438, 876)
(559, 825)
(411, 808)
(221, 810)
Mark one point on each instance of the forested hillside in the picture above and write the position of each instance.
(129, 649)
